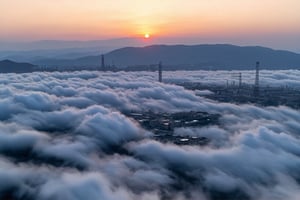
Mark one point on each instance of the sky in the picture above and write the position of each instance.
(248, 22)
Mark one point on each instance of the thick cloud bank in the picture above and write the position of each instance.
(64, 136)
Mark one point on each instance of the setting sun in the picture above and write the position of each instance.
(147, 35)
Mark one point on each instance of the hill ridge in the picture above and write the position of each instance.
(214, 56)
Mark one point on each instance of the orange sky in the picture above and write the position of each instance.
(99, 19)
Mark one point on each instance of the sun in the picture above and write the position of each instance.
(147, 35)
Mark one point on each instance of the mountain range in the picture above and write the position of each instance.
(218, 56)
(62, 49)
(81, 54)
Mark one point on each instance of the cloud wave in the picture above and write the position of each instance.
(65, 135)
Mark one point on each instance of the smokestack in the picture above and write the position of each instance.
(240, 79)
(102, 63)
(256, 85)
(160, 72)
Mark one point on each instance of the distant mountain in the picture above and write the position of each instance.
(68, 53)
(219, 56)
(63, 49)
(7, 66)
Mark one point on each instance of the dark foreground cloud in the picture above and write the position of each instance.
(65, 136)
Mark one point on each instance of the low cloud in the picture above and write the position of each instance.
(66, 136)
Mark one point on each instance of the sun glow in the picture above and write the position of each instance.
(147, 35)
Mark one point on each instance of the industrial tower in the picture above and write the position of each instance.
(256, 85)
(160, 72)
(240, 80)
(102, 63)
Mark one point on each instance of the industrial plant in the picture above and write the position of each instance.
(164, 124)
(243, 93)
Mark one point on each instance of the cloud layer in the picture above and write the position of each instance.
(65, 136)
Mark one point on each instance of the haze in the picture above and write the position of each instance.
(257, 22)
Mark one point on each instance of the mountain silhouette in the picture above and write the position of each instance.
(8, 66)
(219, 56)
